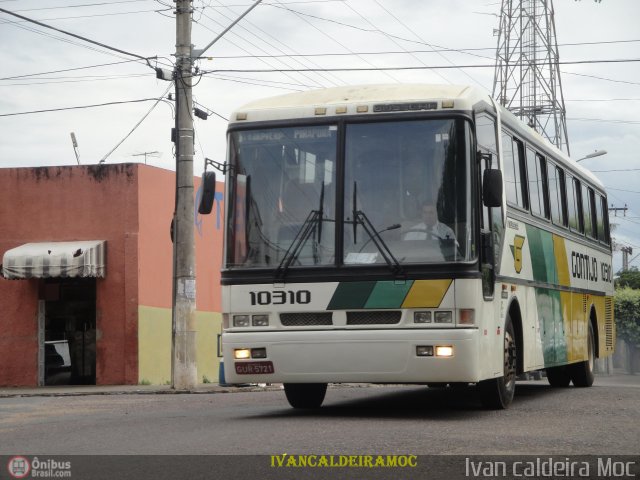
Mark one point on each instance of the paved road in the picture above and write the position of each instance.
(600, 420)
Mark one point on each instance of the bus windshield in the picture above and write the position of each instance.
(411, 180)
(406, 192)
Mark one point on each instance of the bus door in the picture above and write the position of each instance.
(491, 217)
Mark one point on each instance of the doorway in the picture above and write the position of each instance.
(69, 331)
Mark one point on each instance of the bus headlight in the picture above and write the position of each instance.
(241, 320)
(444, 351)
(443, 317)
(258, 353)
(260, 320)
(424, 350)
(241, 353)
(421, 317)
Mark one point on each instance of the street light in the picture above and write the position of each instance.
(597, 153)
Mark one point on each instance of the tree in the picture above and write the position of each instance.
(629, 278)
(627, 315)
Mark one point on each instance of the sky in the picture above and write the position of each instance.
(41, 69)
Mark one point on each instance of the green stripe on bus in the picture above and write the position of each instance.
(388, 294)
(543, 260)
(552, 336)
(351, 295)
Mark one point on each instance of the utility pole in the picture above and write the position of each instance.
(183, 345)
(74, 142)
(615, 210)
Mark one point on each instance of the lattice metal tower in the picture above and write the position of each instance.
(527, 74)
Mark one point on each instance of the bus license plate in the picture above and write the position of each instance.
(254, 368)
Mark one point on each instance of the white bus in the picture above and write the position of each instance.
(408, 234)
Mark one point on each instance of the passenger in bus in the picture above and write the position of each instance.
(430, 227)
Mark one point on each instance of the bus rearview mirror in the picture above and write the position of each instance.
(492, 188)
(208, 193)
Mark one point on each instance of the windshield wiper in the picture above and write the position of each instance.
(311, 223)
(361, 218)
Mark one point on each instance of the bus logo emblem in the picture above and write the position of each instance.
(516, 251)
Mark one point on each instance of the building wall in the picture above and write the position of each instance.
(130, 206)
(65, 204)
(156, 204)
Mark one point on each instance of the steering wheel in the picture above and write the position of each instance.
(429, 235)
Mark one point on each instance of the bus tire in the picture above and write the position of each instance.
(582, 373)
(558, 377)
(497, 393)
(305, 395)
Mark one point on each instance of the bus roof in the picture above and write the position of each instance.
(353, 99)
(304, 104)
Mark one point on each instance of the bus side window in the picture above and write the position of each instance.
(486, 132)
(486, 140)
(537, 182)
(603, 220)
(588, 209)
(512, 153)
(557, 199)
(573, 205)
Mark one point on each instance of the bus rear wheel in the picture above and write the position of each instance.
(558, 377)
(582, 373)
(497, 393)
(305, 395)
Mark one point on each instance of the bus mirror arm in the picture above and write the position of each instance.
(492, 188)
(487, 248)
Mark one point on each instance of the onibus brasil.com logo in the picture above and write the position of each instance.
(20, 467)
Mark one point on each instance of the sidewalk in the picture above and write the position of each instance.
(617, 380)
(79, 390)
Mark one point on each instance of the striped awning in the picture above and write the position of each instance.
(55, 259)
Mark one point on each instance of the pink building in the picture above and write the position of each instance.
(89, 300)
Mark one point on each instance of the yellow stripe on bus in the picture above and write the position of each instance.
(562, 264)
(426, 293)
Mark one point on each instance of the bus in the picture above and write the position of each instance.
(408, 234)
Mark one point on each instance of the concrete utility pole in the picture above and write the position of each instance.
(626, 251)
(183, 355)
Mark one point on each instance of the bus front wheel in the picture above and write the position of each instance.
(497, 393)
(305, 395)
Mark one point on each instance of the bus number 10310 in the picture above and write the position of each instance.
(281, 297)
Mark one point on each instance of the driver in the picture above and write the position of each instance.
(430, 227)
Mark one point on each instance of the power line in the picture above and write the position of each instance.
(368, 30)
(377, 29)
(80, 5)
(256, 27)
(301, 16)
(78, 107)
(89, 78)
(245, 50)
(422, 40)
(604, 100)
(158, 100)
(91, 15)
(16, 77)
(80, 37)
(399, 52)
(260, 38)
(606, 120)
(366, 69)
(601, 78)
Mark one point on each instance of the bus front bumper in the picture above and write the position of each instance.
(354, 356)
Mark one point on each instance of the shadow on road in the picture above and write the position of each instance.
(420, 402)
